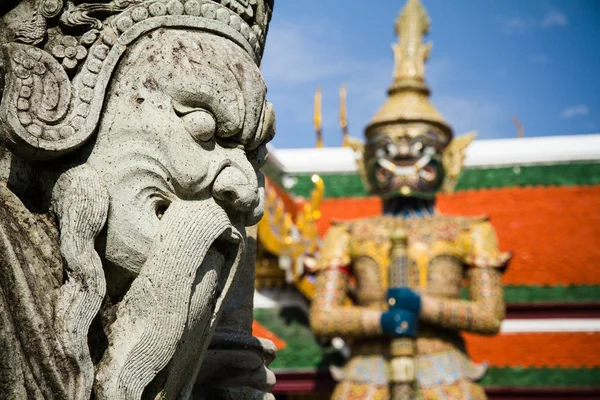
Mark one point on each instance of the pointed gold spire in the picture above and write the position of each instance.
(344, 117)
(408, 99)
(318, 118)
(410, 53)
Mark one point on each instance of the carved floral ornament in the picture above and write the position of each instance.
(57, 63)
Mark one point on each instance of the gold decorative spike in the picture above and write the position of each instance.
(410, 52)
(306, 221)
(316, 197)
(318, 117)
(454, 160)
(408, 99)
(344, 117)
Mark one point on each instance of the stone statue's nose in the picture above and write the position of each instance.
(234, 190)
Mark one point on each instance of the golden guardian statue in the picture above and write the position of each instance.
(403, 271)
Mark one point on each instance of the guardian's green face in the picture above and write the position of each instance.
(405, 161)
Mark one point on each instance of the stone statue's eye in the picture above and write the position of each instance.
(200, 124)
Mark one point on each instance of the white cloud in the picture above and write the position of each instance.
(554, 18)
(578, 110)
(510, 25)
(517, 24)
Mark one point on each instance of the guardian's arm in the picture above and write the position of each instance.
(329, 317)
(484, 311)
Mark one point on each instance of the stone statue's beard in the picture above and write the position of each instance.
(166, 318)
(171, 309)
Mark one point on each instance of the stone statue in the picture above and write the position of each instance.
(132, 133)
(402, 272)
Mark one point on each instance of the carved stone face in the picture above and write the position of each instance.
(405, 161)
(185, 120)
(179, 146)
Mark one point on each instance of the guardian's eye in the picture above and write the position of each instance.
(416, 148)
(384, 147)
(392, 150)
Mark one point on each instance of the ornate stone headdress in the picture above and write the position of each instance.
(58, 57)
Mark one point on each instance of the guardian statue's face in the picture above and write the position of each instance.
(405, 160)
(186, 119)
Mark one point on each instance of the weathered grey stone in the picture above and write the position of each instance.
(131, 134)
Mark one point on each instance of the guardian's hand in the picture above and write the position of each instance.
(403, 315)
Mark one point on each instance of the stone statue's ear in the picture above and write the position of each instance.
(454, 159)
(43, 112)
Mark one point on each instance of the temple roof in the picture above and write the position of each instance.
(481, 153)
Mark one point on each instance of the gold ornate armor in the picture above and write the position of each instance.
(404, 333)
(442, 252)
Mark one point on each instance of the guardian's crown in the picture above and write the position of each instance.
(408, 100)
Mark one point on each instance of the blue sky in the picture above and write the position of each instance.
(538, 60)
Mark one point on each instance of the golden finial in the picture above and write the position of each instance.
(408, 99)
(344, 117)
(317, 117)
(410, 53)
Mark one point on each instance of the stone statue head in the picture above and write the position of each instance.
(152, 116)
